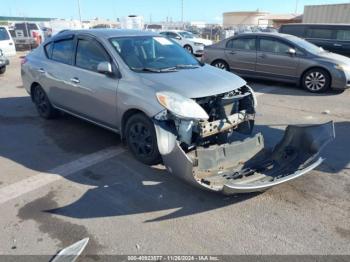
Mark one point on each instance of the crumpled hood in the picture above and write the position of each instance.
(335, 58)
(194, 83)
(202, 41)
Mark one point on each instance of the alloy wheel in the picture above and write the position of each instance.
(315, 81)
(41, 101)
(140, 139)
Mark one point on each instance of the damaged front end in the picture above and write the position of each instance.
(218, 152)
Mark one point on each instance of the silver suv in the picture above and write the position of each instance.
(168, 107)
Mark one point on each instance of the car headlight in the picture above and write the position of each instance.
(198, 44)
(343, 67)
(181, 107)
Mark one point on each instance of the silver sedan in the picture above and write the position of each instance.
(283, 58)
(168, 107)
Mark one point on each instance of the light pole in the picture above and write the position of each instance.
(79, 11)
(182, 12)
(296, 6)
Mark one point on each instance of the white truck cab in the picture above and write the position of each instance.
(6, 42)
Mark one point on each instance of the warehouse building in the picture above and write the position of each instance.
(257, 18)
(334, 13)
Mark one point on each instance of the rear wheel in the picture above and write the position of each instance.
(2, 70)
(141, 139)
(189, 49)
(221, 64)
(42, 103)
(316, 80)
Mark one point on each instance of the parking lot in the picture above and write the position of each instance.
(64, 180)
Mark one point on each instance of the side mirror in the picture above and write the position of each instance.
(292, 51)
(178, 37)
(105, 68)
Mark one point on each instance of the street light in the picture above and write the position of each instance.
(79, 10)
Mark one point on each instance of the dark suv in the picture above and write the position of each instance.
(332, 37)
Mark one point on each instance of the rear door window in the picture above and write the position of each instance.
(246, 44)
(90, 54)
(319, 33)
(63, 51)
(3, 34)
(343, 35)
(274, 46)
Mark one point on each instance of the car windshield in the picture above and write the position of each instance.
(153, 54)
(186, 35)
(3, 34)
(307, 45)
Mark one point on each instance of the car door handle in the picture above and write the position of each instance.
(41, 70)
(75, 80)
(232, 53)
(338, 45)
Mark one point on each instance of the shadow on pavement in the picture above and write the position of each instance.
(285, 88)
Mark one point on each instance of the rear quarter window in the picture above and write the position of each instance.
(343, 35)
(320, 33)
(48, 50)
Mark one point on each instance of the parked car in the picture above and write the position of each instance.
(166, 104)
(192, 44)
(281, 57)
(28, 35)
(6, 42)
(3, 63)
(332, 37)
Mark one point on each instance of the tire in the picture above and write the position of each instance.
(221, 64)
(316, 80)
(43, 104)
(189, 49)
(2, 70)
(141, 139)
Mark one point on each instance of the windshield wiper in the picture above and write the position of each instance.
(155, 70)
(187, 66)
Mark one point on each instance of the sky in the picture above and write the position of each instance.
(155, 10)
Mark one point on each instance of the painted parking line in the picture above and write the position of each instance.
(39, 180)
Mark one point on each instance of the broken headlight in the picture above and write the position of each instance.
(181, 106)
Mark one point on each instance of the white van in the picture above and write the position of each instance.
(6, 42)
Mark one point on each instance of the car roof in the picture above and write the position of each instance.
(273, 34)
(106, 33)
(316, 24)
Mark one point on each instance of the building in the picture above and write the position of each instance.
(257, 18)
(334, 13)
(8, 20)
(132, 22)
(254, 18)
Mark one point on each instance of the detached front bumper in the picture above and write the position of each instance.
(247, 166)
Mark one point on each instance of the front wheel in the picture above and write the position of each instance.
(221, 65)
(316, 80)
(2, 70)
(189, 49)
(141, 139)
